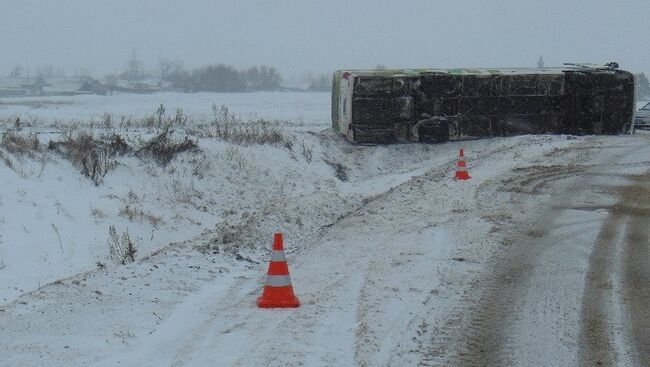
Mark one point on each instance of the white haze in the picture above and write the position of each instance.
(319, 36)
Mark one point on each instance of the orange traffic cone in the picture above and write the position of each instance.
(461, 168)
(278, 291)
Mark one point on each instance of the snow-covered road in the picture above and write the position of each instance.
(559, 294)
(539, 259)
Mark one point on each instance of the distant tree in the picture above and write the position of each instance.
(16, 71)
(321, 84)
(252, 77)
(262, 78)
(540, 62)
(642, 87)
(218, 78)
(181, 79)
(380, 67)
(271, 78)
(110, 80)
(45, 71)
(134, 69)
(168, 68)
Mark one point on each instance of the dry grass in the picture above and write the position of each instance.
(163, 148)
(97, 213)
(93, 157)
(132, 213)
(229, 127)
(121, 249)
(22, 144)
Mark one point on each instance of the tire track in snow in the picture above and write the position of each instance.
(286, 337)
(597, 341)
(481, 330)
(277, 337)
(620, 279)
(199, 332)
(490, 336)
(427, 355)
(441, 339)
(637, 286)
(403, 277)
(636, 268)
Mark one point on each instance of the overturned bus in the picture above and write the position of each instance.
(436, 105)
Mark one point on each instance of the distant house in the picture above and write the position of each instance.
(7, 91)
(36, 88)
(14, 87)
(56, 86)
(93, 86)
(143, 86)
(70, 86)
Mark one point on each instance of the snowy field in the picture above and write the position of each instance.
(311, 108)
(540, 259)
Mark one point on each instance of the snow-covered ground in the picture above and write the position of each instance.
(312, 107)
(534, 261)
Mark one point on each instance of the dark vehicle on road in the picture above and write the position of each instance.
(642, 117)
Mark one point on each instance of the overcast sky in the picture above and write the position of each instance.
(320, 36)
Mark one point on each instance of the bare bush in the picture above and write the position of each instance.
(253, 132)
(288, 144)
(200, 165)
(161, 121)
(20, 143)
(234, 158)
(97, 213)
(6, 160)
(121, 249)
(307, 152)
(160, 113)
(117, 145)
(92, 156)
(107, 120)
(231, 128)
(132, 213)
(180, 118)
(184, 194)
(222, 116)
(129, 212)
(163, 148)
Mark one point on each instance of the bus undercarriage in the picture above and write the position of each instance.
(436, 106)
